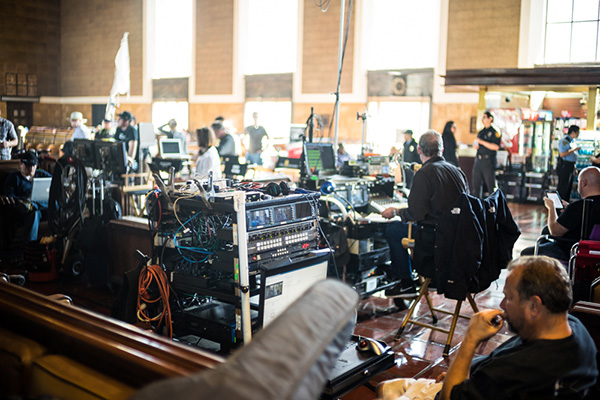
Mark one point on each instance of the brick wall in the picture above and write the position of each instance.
(91, 33)
(204, 114)
(460, 113)
(214, 47)
(320, 50)
(349, 131)
(30, 42)
(483, 34)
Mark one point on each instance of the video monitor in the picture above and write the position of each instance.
(319, 158)
(170, 148)
(296, 132)
(111, 156)
(83, 150)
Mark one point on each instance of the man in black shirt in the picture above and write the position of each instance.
(128, 134)
(552, 355)
(568, 225)
(436, 187)
(487, 145)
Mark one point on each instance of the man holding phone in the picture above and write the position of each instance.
(567, 226)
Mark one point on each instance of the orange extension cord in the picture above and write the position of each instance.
(148, 275)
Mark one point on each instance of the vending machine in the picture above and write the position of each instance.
(528, 138)
(529, 133)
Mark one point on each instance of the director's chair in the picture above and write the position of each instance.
(409, 244)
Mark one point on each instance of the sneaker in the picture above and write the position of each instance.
(402, 290)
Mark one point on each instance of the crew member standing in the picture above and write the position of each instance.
(127, 133)
(410, 155)
(567, 156)
(8, 138)
(255, 134)
(487, 145)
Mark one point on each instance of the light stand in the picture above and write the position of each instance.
(363, 116)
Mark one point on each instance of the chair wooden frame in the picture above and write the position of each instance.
(409, 244)
(424, 292)
(132, 194)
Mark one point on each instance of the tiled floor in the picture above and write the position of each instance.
(419, 350)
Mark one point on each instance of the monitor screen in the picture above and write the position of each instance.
(319, 157)
(84, 151)
(111, 156)
(170, 146)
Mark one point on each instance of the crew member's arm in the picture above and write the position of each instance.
(595, 159)
(161, 128)
(480, 329)
(13, 139)
(9, 143)
(132, 147)
(569, 152)
(489, 145)
(555, 228)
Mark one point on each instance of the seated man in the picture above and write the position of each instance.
(568, 225)
(17, 189)
(551, 356)
(435, 187)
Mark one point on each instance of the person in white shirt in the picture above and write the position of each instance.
(80, 131)
(208, 156)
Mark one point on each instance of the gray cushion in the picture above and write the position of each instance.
(290, 359)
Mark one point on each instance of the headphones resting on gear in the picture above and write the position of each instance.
(274, 189)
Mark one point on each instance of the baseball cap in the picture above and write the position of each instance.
(408, 132)
(126, 115)
(29, 159)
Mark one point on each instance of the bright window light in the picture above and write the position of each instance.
(389, 119)
(572, 31)
(271, 37)
(275, 116)
(172, 39)
(401, 34)
(583, 42)
(163, 111)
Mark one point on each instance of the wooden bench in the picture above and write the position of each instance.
(50, 348)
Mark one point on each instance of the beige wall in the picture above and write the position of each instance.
(483, 34)
(204, 114)
(320, 50)
(214, 47)
(91, 33)
(459, 113)
(350, 130)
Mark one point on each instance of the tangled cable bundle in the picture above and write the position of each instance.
(153, 279)
(67, 195)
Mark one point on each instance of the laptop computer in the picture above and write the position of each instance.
(171, 149)
(40, 190)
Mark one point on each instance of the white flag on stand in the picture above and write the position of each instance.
(121, 83)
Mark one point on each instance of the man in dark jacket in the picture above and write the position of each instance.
(17, 190)
(436, 187)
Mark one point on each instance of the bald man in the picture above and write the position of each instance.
(568, 225)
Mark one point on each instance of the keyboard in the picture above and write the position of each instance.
(381, 202)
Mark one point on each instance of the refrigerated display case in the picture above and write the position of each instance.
(530, 133)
